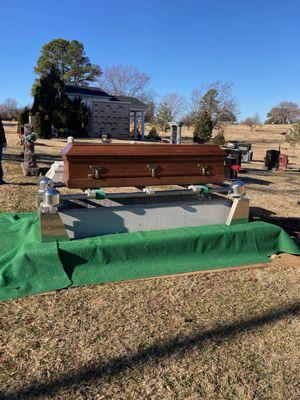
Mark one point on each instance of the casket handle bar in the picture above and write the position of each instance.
(203, 169)
(96, 172)
(152, 168)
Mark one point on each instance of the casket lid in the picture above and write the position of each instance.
(83, 149)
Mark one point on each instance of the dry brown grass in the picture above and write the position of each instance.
(229, 335)
(264, 133)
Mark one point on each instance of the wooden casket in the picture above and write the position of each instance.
(90, 165)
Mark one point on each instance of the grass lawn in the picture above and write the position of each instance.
(226, 335)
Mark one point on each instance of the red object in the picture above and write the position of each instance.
(283, 162)
(236, 168)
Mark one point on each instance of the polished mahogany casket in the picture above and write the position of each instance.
(90, 165)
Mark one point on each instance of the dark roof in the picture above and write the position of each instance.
(132, 100)
(94, 91)
(86, 90)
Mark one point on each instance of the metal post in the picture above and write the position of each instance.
(135, 124)
(178, 137)
(143, 125)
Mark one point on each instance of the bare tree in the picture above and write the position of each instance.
(188, 120)
(252, 122)
(150, 112)
(285, 112)
(216, 99)
(9, 109)
(176, 103)
(126, 80)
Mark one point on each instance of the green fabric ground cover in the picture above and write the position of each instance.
(29, 267)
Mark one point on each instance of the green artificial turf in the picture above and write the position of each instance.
(29, 267)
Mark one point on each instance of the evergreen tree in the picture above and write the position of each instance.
(77, 115)
(203, 128)
(38, 123)
(219, 138)
(42, 125)
(163, 116)
(49, 94)
(23, 117)
(69, 59)
(210, 103)
(53, 107)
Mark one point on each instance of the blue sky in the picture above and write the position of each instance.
(181, 44)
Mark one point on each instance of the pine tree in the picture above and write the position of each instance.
(77, 115)
(219, 139)
(23, 118)
(69, 59)
(55, 108)
(38, 124)
(49, 94)
(42, 125)
(203, 128)
(163, 116)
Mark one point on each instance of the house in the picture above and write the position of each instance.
(110, 114)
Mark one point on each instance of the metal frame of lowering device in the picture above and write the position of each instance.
(96, 213)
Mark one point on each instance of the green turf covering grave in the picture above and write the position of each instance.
(28, 267)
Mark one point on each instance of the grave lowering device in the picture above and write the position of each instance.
(199, 197)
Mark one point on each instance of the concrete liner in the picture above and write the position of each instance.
(87, 222)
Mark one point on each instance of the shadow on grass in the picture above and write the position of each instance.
(24, 183)
(41, 157)
(154, 353)
(12, 157)
(50, 144)
(256, 181)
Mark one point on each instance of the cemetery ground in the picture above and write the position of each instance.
(224, 335)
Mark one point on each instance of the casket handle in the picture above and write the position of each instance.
(152, 168)
(203, 169)
(96, 172)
